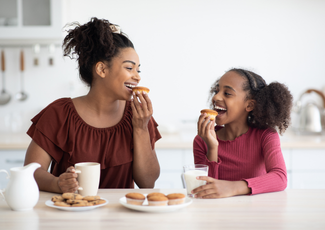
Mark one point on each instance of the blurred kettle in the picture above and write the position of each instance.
(311, 117)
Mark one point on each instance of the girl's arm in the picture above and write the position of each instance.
(205, 129)
(275, 178)
(66, 182)
(146, 168)
(200, 157)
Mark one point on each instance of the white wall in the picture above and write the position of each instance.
(185, 45)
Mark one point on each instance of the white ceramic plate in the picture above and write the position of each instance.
(146, 208)
(49, 203)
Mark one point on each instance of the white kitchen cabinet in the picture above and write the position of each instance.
(287, 159)
(30, 21)
(171, 164)
(308, 168)
(10, 159)
(305, 167)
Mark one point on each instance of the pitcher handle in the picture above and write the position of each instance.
(2, 190)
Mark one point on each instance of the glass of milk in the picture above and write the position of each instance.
(190, 172)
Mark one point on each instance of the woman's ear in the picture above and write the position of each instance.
(250, 105)
(101, 69)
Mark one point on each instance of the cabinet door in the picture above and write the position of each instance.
(287, 159)
(171, 164)
(308, 168)
(10, 159)
(30, 21)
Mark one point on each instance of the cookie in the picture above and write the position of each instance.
(140, 89)
(91, 198)
(135, 195)
(157, 200)
(81, 205)
(97, 202)
(176, 198)
(155, 194)
(62, 204)
(57, 198)
(211, 113)
(72, 196)
(135, 198)
(76, 201)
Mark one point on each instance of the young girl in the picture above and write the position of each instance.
(104, 126)
(243, 151)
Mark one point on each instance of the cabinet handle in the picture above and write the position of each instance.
(14, 161)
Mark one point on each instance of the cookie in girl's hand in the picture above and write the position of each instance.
(210, 113)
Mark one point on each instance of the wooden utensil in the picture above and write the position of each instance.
(4, 96)
(21, 96)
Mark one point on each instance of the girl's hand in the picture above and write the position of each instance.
(220, 188)
(68, 181)
(206, 131)
(142, 111)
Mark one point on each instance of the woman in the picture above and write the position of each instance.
(106, 125)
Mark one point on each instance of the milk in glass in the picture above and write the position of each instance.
(191, 181)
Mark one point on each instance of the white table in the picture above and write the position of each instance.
(290, 209)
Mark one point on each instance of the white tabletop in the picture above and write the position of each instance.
(290, 209)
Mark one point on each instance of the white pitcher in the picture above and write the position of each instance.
(21, 193)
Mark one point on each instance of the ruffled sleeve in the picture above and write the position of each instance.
(58, 129)
(153, 131)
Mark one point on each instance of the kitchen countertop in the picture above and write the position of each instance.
(289, 140)
(289, 209)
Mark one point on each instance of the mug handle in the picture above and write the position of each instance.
(78, 171)
(2, 190)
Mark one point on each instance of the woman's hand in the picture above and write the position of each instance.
(142, 111)
(205, 129)
(68, 181)
(220, 188)
(145, 163)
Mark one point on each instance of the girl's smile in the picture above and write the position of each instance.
(229, 99)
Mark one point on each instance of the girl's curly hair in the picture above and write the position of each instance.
(91, 43)
(273, 102)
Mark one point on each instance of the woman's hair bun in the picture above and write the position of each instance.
(92, 42)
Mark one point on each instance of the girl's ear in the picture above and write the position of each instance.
(101, 69)
(250, 105)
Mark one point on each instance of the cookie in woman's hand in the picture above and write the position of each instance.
(140, 89)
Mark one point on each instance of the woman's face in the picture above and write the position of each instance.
(230, 99)
(123, 74)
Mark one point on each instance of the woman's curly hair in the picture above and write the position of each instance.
(91, 43)
(273, 102)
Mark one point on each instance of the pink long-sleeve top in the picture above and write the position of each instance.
(254, 157)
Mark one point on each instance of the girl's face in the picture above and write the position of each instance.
(123, 74)
(230, 99)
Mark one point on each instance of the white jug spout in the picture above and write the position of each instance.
(31, 167)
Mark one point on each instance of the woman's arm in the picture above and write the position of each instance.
(146, 168)
(66, 182)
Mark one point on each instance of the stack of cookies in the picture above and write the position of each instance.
(155, 199)
(76, 200)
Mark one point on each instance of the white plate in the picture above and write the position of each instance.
(75, 209)
(146, 208)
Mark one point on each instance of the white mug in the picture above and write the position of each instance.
(190, 172)
(88, 178)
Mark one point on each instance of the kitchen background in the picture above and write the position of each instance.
(184, 46)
